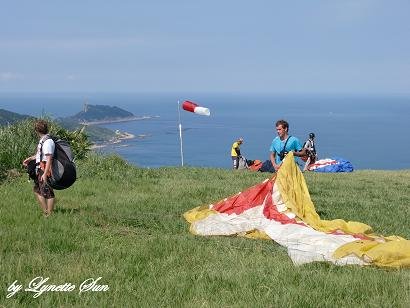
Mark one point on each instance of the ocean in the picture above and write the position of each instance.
(370, 131)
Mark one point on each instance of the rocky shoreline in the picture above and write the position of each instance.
(120, 136)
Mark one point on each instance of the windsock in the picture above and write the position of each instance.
(192, 107)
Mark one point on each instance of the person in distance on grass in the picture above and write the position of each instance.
(43, 159)
(283, 144)
(311, 155)
(236, 152)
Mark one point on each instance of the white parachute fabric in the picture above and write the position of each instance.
(304, 244)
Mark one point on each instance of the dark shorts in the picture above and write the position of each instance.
(42, 188)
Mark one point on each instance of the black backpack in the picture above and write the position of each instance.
(63, 171)
(267, 166)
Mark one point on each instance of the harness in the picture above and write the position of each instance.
(283, 152)
(42, 165)
(311, 150)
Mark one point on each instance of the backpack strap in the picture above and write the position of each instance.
(284, 147)
(41, 144)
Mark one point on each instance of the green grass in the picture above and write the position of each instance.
(125, 224)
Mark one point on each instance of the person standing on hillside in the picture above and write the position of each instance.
(311, 155)
(43, 159)
(283, 144)
(236, 152)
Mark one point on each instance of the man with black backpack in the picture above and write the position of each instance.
(283, 144)
(43, 159)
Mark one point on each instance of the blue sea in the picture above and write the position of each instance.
(370, 131)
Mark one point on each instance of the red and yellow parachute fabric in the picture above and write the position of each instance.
(281, 209)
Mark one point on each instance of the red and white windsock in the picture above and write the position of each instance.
(192, 107)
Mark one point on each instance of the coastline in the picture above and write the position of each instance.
(108, 121)
(120, 136)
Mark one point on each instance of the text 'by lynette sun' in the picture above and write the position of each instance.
(39, 286)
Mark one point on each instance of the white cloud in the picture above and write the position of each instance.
(73, 44)
(99, 44)
(8, 76)
(349, 11)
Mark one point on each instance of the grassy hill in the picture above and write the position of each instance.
(125, 224)
(8, 117)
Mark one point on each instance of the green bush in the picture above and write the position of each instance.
(80, 144)
(19, 141)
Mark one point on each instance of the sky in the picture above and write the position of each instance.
(273, 46)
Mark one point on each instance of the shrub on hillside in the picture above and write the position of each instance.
(79, 142)
(19, 141)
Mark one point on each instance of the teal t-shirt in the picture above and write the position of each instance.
(277, 145)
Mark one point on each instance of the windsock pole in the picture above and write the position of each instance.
(180, 134)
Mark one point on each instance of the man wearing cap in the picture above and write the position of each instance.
(236, 152)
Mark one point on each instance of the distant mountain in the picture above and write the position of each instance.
(95, 113)
(8, 117)
(92, 114)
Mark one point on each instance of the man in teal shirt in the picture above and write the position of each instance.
(283, 144)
